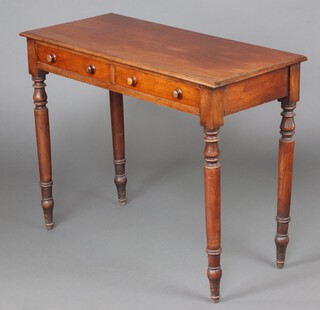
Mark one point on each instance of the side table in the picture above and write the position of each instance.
(206, 76)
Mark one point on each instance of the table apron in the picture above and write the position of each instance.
(255, 91)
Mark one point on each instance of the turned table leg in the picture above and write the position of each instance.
(117, 125)
(43, 145)
(285, 169)
(212, 208)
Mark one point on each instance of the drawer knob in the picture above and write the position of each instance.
(132, 80)
(91, 69)
(51, 57)
(177, 93)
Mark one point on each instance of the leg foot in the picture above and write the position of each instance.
(281, 241)
(120, 180)
(214, 276)
(47, 206)
(49, 226)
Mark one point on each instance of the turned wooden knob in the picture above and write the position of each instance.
(132, 80)
(177, 93)
(51, 57)
(91, 69)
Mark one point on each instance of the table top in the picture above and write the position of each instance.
(196, 57)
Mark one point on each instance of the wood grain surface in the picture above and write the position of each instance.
(192, 56)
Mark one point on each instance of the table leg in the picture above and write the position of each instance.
(285, 169)
(212, 208)
(117, 125)
(43, 145)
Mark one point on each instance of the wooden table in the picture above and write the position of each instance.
(206, 76)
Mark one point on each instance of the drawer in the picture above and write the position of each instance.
(158, 86)
(71, 61)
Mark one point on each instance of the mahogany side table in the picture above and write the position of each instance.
(206, 76)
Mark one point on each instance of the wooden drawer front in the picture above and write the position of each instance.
(74, 62)
(157, 86)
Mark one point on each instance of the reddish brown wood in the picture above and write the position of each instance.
(294, 83)
(151, 87)
(165, 60)
(74, 62)
(158, 86)
(179, 53)
(43, 145)
(117, 126)
(122, 89)
(211, 107)
(212, 207)
(32, 56)
(285, 167)
(195, 73)
(254, 91)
